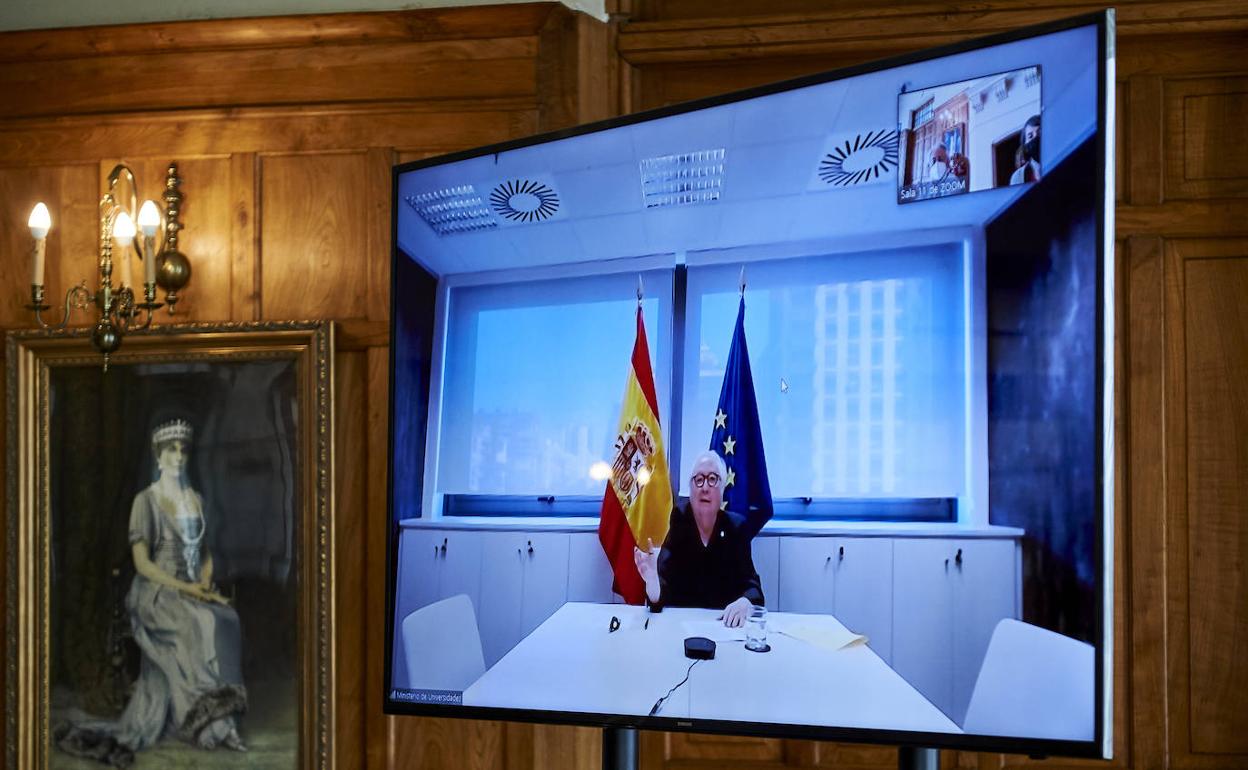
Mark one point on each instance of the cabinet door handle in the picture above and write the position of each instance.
(443, 549)
(841, 553)
(530, 548)
(958, 558)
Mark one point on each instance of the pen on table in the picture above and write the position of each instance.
(645, 626)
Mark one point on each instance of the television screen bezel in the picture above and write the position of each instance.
(1100, 747)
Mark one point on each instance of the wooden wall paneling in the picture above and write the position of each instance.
(244, 238)
(1145, 527)
(536, 746)
(315, 233)
(1205, 154)
(206, 237)
(689, 750)
(426, 743)
(70, 195)
(276, 32)
(196, 133)
(380, 161)
(725, 35)
(842, 756)
(368, 72)
(350, 532)
(1206, 453)
(4, 546)
(1143, 126)
(377, 726)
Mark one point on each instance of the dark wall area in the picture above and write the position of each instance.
(1042, 390)
(415, 292)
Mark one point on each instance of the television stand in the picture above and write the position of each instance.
(619, 748)
(912, 758)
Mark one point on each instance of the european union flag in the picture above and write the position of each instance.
(738, 439)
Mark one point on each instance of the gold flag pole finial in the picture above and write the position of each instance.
(743, 281)
(640, 292)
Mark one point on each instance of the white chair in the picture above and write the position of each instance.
(443, 646)
(1034, 683)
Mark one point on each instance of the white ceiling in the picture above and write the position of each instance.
(773, 147)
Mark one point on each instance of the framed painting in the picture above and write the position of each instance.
(170, 548)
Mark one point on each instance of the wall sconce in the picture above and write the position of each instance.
(118, 308)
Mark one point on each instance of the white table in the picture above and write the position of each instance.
(573, 663)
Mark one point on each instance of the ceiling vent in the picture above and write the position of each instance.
(524, 200)
(682, 179)
(864, 157)
(453, 210)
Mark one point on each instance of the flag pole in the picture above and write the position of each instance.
(640, 293)
(743, 282)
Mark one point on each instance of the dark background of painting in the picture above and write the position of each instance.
(243, 461)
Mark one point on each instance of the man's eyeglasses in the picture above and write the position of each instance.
(706, 479)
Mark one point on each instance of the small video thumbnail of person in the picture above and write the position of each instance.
(968, 136)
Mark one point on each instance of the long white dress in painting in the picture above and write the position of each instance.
(190, 682)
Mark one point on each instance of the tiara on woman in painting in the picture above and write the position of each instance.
(175, 430)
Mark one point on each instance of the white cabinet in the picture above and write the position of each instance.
(948, 596)
(849, 577)
(589, 572)
(862, 585)
(923, 618)
(984, 593)
(766, 556)
(502, 576)
(524, 579)
(805, 575)
(545, 579)
(433, 565)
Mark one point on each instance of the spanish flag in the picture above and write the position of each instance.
(638, 500)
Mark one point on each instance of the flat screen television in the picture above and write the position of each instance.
(782, 413)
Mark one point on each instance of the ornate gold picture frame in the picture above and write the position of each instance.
(170, 548)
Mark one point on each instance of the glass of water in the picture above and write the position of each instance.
(756, 630)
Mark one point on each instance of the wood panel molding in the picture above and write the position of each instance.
(252, 34)
(1205, 156)
(295, 129)
(896, 27)
(1205, 452)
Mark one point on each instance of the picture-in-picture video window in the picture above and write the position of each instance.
(971, 135)
(811, 375)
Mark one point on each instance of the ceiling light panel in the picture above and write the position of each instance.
(452, 210)
(682, 179)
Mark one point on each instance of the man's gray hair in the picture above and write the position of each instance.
(709, 454)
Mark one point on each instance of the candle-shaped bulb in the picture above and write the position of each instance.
(123, 229)
(40, 221)
(149, 218)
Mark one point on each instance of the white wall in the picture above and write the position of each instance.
(46, 14)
